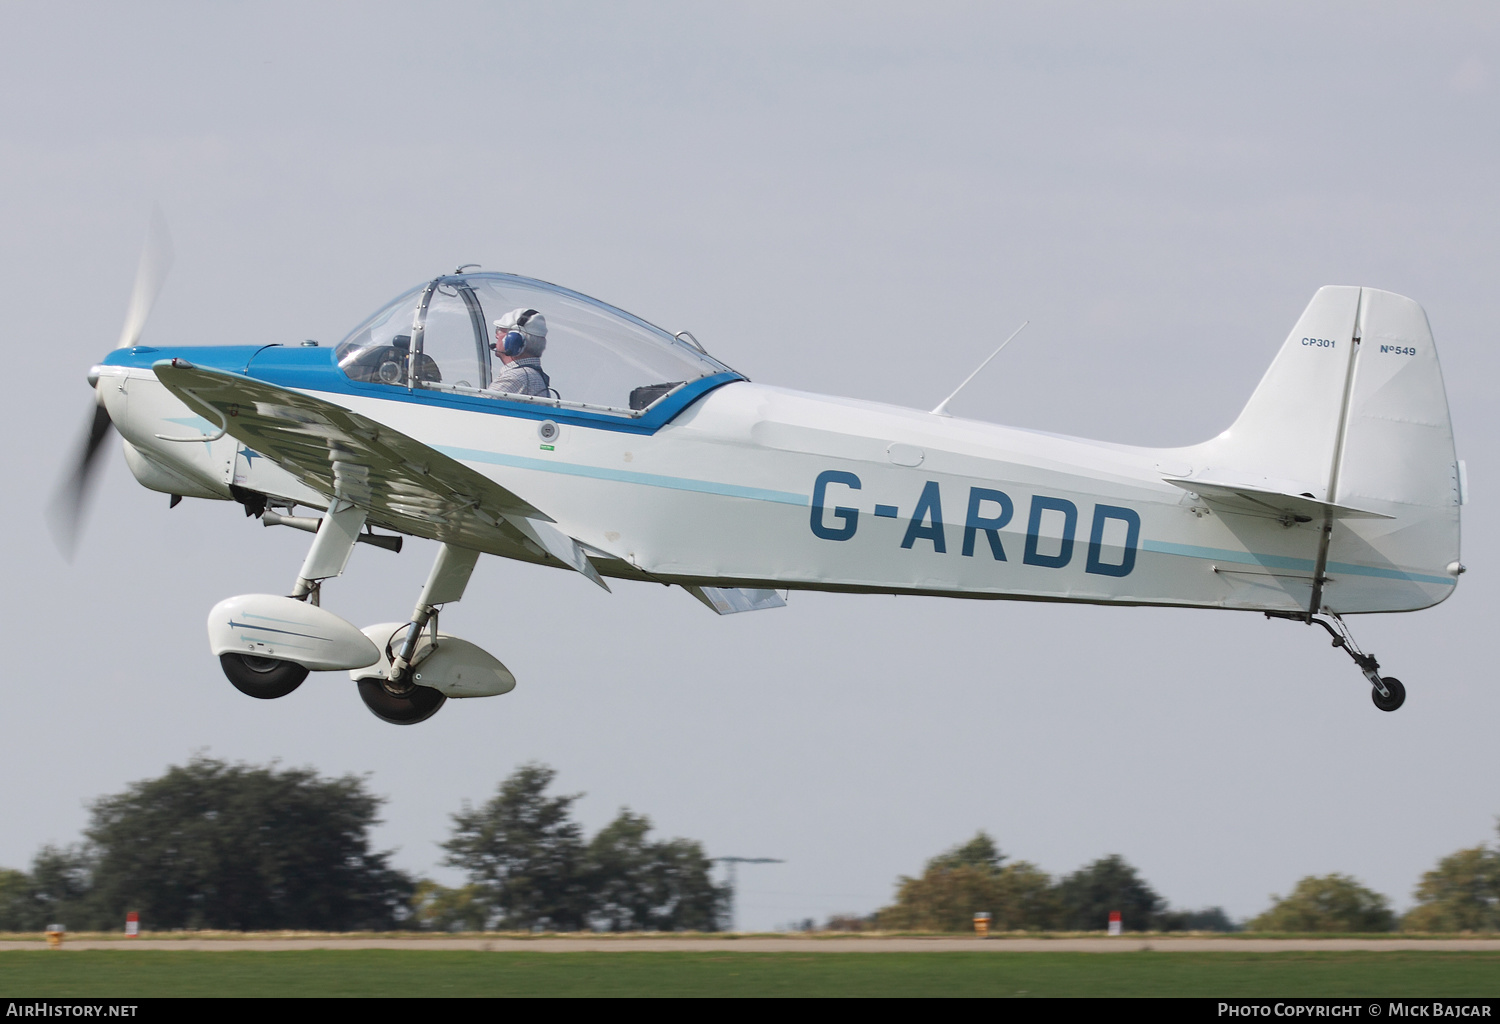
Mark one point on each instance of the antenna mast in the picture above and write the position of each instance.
(942, 407)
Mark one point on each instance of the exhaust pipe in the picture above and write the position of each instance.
(309, 525)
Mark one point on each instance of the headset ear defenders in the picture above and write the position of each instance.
(513, 342)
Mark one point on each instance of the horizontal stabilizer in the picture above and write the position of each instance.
(729, 600)
(1275, 504)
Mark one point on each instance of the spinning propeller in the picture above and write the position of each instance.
(68, 503)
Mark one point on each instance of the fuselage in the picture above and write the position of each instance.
(743, 484)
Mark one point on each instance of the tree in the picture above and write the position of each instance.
(1209, 919)
(638, 885)
(529, 867)
(1328, 903)
(59, 890)
(979, 852)
(16, 911)
(972, 878)
(1025, 899)
(851, 922)
(1091, 893)
(440, 908)
(215, 845)
(524, 853)
(1461, 894)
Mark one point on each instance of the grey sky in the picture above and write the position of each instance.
(859, 199)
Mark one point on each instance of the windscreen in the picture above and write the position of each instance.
(376, 351)
(595, 355)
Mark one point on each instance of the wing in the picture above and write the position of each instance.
(402, 483)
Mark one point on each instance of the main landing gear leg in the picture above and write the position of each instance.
(447, 581)
(330, 549)
(1386, 691)
(396, 697)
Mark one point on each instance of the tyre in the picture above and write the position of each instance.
(1395, 700)
(418, 706)
(262, 678)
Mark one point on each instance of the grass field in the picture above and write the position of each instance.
(128, 973)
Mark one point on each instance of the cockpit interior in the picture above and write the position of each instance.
(438, 336)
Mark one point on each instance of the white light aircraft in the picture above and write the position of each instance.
(1336, 491)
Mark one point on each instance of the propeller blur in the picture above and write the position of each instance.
(68, 504)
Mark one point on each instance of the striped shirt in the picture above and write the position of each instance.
(522, 377)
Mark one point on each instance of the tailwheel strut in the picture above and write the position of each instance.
(1385, 691)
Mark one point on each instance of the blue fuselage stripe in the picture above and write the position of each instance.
(1389, 574)
(1162, 547)
(1287, 562)
(676, 483)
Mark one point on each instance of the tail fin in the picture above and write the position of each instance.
(1286, 438)
(1353, 412)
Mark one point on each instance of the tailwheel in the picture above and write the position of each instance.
(416, 704)
(1394, 697)
(1386, 691)
(262, 678)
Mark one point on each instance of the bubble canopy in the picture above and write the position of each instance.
(437, 336)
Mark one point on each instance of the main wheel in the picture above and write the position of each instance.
(263, 678)
(1395, 700)
(417, 706)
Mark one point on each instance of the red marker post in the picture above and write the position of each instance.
(132, 925)
(1116, 925)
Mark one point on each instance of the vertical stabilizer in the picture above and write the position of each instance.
(1287, 436)
(1353, 412)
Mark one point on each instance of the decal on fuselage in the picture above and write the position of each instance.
(988, 512)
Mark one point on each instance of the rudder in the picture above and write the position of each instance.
(1397, 457)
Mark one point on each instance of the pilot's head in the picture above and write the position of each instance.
(520, 333)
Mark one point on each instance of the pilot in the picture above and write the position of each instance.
(520, 340)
